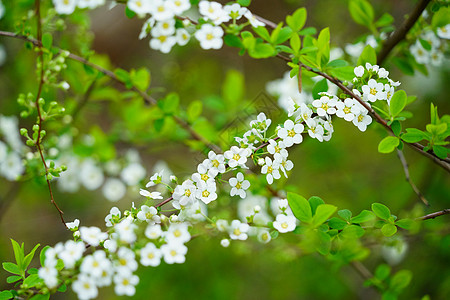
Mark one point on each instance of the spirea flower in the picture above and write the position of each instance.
(373, 91)
(238, 230)
(362, 119)
(206, 191)
(114, 214)
(92, 235)
(271, 168)
(125, 262)
(174, 253)
(84, 287)
(65, 7)
(177, 233)
(150, 255)
(359, 71)
(444, 32)
(291, 133)
(325, 106)
(284, 223)
(346, 109)
(114, 189)
(125, 283)
(149, 214)
(153, 231)
(213, 11)
(239, 185)
(253, 20)
(209, 36)
(237, 156)
(150, 195)
(140, 7)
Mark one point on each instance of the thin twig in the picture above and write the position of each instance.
(84, 100)
(38, 107)
(434, 215)
(8, 198)
(402, 158)
(401, 32)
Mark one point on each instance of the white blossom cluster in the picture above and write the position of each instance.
(437, 45)
(168, 27)
(12, 150)
(67, 7)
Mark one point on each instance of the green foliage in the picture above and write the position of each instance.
(297, 20)
(388, 144)
(300, 207)
(361, 12)
(367, 56)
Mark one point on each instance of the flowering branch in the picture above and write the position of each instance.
(435, 214)
(401, 32)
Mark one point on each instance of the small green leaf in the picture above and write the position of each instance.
(400, 280)
(300, 207)
(405, 223)
(262, 50)
(32, 280)
(382, 211)
(413, 135)
(295, 42)
(13, 278)
(47, 40)
(12, 268)
(6, 295)
(29, 257)
(396, 127)
(244, 2)
(337, 63)
(323, 213)
(385, 20)
(42, 255)
(263, 32)
(361, 12)
(397, 103)
(368, 56)
(382, 272)
(345, 214)
(194, 110)
(284, 34)
(337, 223)
(320, 87)
(233, 41)
(437, 129)
(389, 229)
(314, 202)
(40, 297)
(364, 216)
(297, 20)
(388, 144)
(352, 232)
(440, 151)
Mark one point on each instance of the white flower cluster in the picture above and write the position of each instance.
(67, 7)
(428, 48)
(166, 29)
(164, 239)
(11, 165)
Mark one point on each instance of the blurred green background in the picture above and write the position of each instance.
(347, 171)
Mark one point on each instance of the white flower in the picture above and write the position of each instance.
(12, 167)
(126, 262)
(436, 57)
(222, 225)
(114, 213)
(373, 91)
(90, 3)
(204, 172)
(178, 6)
(146, 28)
(213, 11)
(264, 236)
(285, 164)
(359, 71)
(153, 231)
(65, 7)
(432, 39)
(383, 73)
(48, 274)
(235, 11)
(238, 230)
(305, 113)
(92, 235)
(444, 32)
(283, 204)
(150, 255)
(362, 119)
(182, 36)
(110, 245)
(389, 90)
(95, 264)
(177, 233)
(373, 68)
(133, 173)
(84, 287)
(315, 130)
(155, 179)
(164, 27)
(291, 133)
(346, 109)
(206, 191)
(237, 156)
(420, 54)
(162, 10)
(114, 189)
(150, 195)
(210, 37)
(225, 243)
(174, 253)
(125, 229)
(253, 20)
(125, 283)
(163, 43)
(217, 162)
(325, 106)
(271, 168)
(140, 7)
(261, 124)
(149, 214)
(239, 185)
(73, 225)
(253, 205)
(71, 253)
(184, 194)
(284, 223)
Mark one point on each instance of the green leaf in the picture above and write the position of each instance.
(337, 223)
(437, 129)
(381, 211)
(361, 12)
(129, 13)
(29, 257)
(63, 287)
(323, 213)
(400, 280)
(169, 105)
(263, 32)
(13, 278)
(367, 56)
(343, 73)
(323, 243)
(389, 229)
(314, 202)
(388, 144)
(42, 255)
(323, 43)
(345, 214)
(364, 216)
(295, 42)
(233, 41)
(140, 78)
(441, 17)
(300, 207)
(337, 63)
(319, 87)
(47, 40)
(413, 135)
(397, 103)
(385, 20)
(382, 272)
(262, 50)
(297, 20)
(12, 268)
(284, 34)
(405, 223)
(396, 127)
(6, 295)
(440, 151)
(40, 297)
(32, 280)
(352, 232)
(233, 89)
(18, 253)
(194, 110)
(244, 2)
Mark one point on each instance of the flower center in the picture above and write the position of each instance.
(284, 225)
(277, 149)
(373, 91)
(187, 193)
(173, 252)
(238, 185)
(151, 255)
(347, 110)
(204, 177)
(237, 231)
(360, 118)
(123, 262)
(269, 170)
(86, 285)
(177, 233)
(95, 264)
(161, 8)
(325, 106)
(138, 3)
(215, 163)
(162, 38)
(236, 157)
(209, 36)
(149, 215)
(125, 282)
(291, 133)
(205, 194)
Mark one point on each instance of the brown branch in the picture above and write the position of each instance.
(401, 32)
(434, 215)
(402, 158)
(38, 107)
